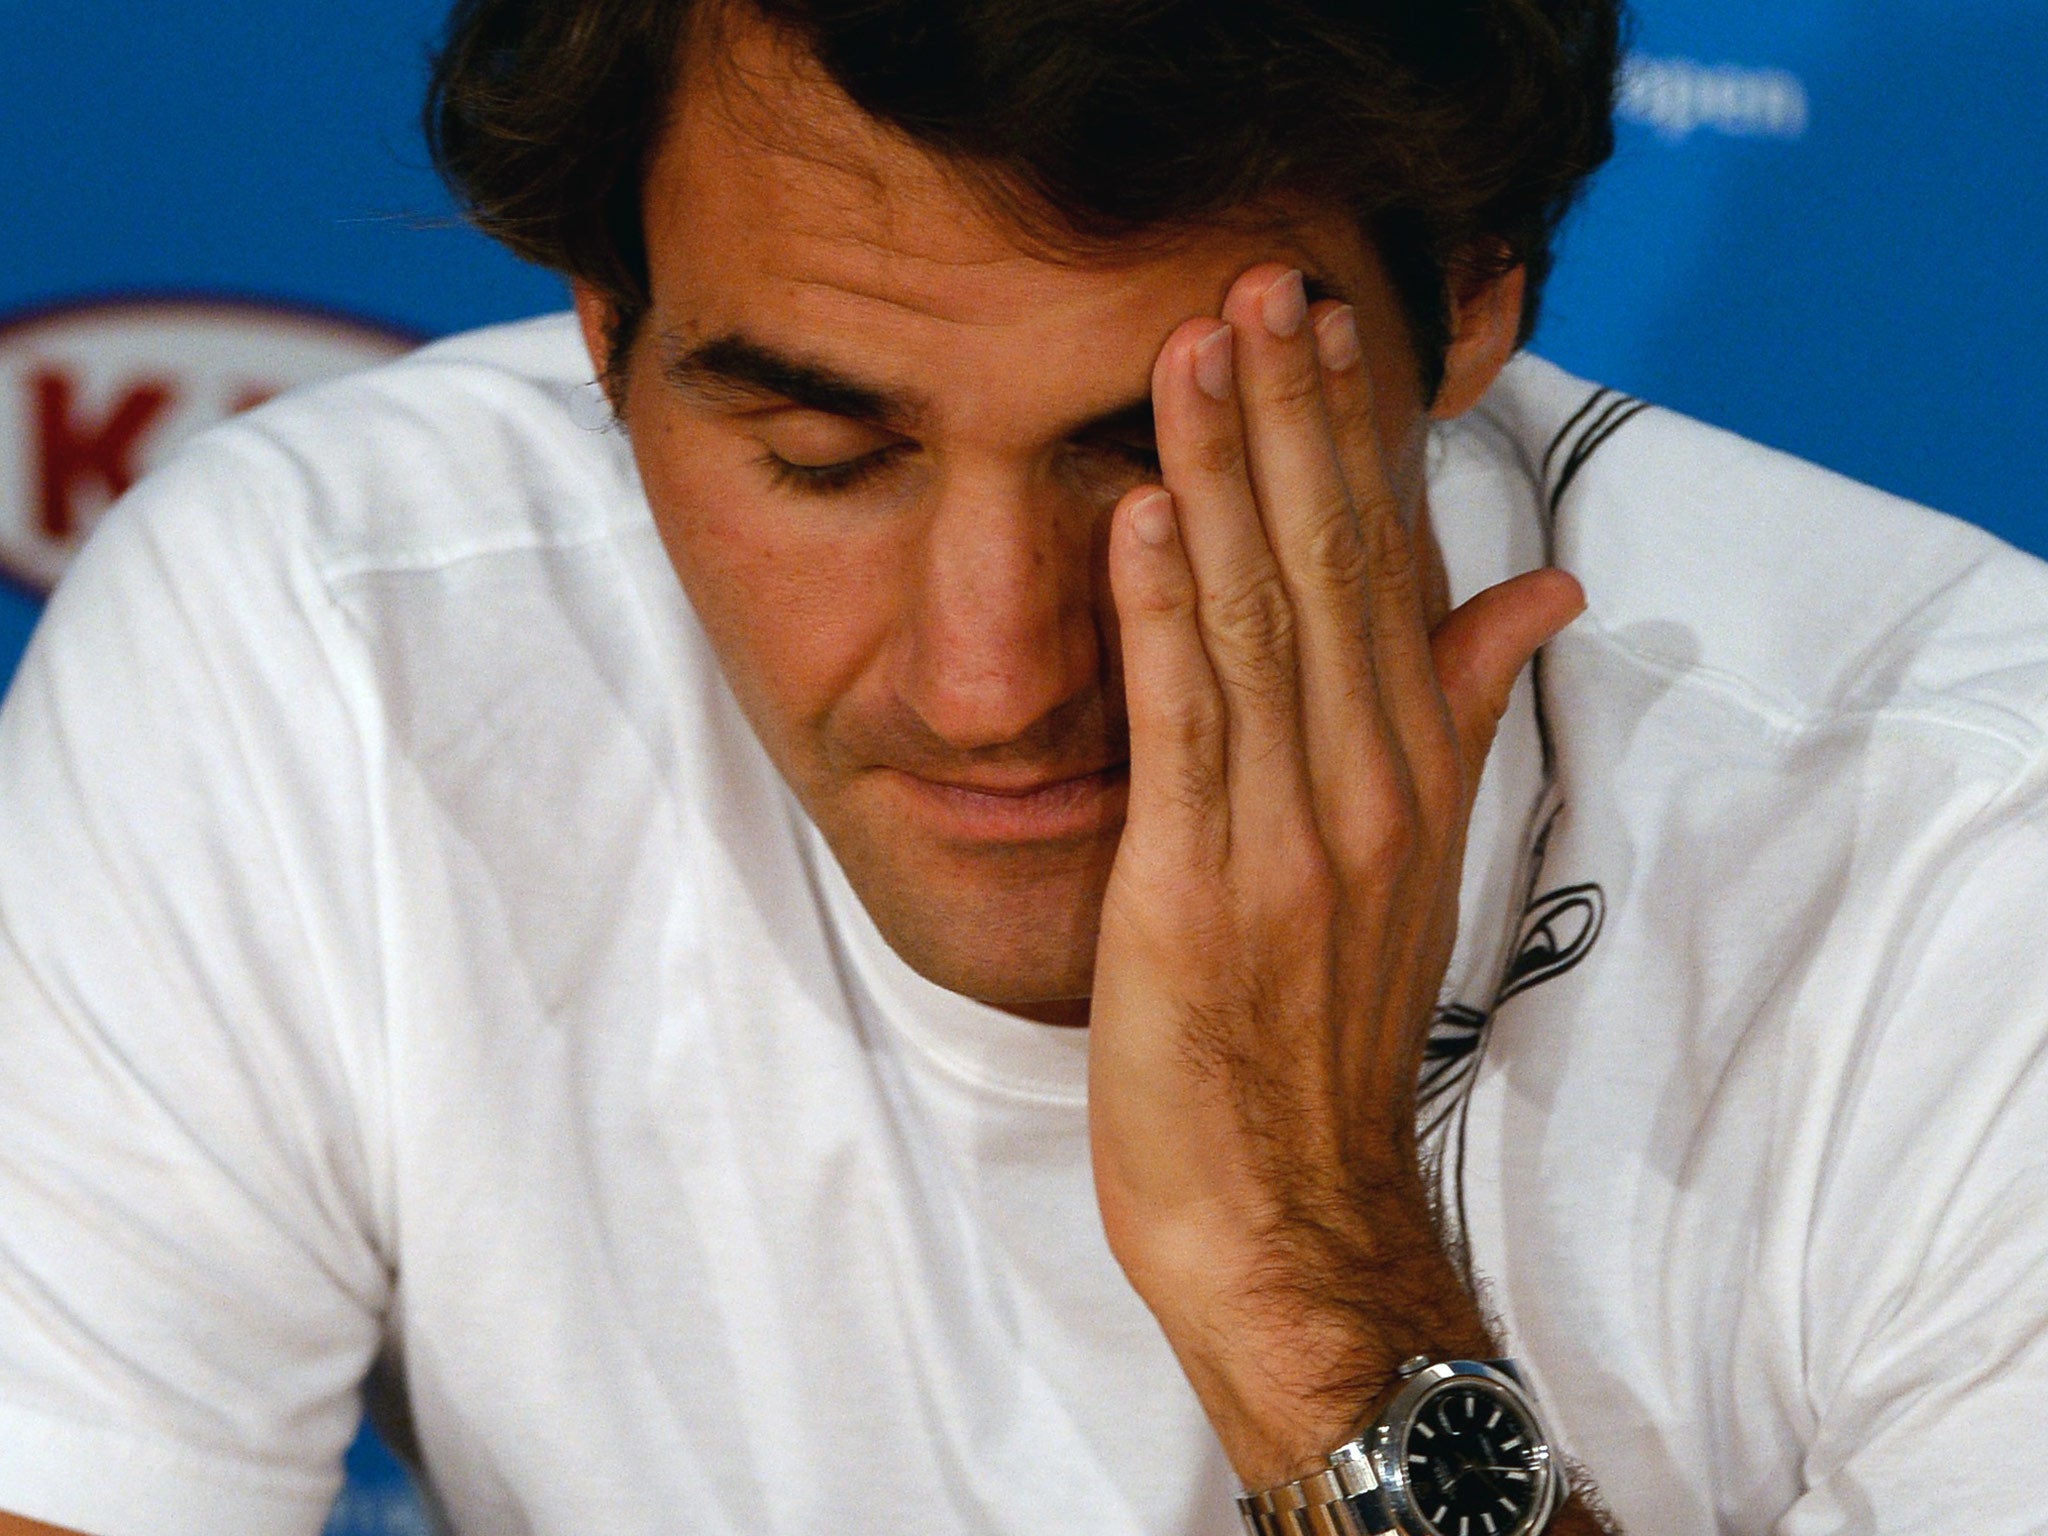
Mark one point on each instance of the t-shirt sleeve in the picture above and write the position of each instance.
(192, 1272)
(1927, 1286)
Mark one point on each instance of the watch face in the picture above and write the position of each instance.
(1475, 1465)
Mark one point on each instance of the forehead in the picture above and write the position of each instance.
(774, 206)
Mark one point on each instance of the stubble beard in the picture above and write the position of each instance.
(1014, 927)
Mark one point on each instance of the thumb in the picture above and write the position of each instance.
(1481, 648)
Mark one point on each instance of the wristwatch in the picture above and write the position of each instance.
(1459, 1451)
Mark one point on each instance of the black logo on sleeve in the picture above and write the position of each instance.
(1558, 931)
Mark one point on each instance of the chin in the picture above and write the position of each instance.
(1013, 928)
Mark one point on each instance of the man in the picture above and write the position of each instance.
(587, 925)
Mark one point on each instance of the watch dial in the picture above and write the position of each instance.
(1474, 1464)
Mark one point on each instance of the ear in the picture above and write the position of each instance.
(1486, 327)
(594, 316)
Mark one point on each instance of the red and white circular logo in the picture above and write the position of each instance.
(94, 393)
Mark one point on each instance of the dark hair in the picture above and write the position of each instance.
(1458, 132)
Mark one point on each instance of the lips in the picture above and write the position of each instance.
(1021, 786)
(1015, 808)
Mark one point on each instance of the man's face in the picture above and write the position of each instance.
(882, 441)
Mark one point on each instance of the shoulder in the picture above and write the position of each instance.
(1798, 597)
(1776, 1131)
(496, 440)
(387, 557)
(1801, 737)
(422, 511)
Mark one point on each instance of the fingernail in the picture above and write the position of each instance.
(1337, 339)
(1152, 519)
(1212, 363)
(1284, 305)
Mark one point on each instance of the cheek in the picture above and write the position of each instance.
(796, 598)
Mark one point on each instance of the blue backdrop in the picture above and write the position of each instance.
(1824, 229)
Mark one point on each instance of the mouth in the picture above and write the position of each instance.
(1018, 807)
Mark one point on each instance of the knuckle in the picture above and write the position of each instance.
(1258, 673)
(1220, 455)
(1255, 614)
(1184, 725)
(1194, 786)
(1307, 884)
(1383, 841)
(1166, 598)
(1335, 546)
(1189, 726)
(1393, 841)
(1395, 562)
(1348, 399)
(1294, 389)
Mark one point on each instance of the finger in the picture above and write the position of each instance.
(1247, 622)
(1177, 791)
(1482, 647)
(1314, 527)
(1396, 609)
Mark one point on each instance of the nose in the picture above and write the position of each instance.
(1004, 629)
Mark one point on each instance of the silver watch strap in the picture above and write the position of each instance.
(1337, 1501)
(1342, 1499)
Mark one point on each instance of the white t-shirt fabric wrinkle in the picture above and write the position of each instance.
(408, 952)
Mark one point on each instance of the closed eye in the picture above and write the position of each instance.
(1105, 467)
(826, 479)
(1144, 456)
(848, 474)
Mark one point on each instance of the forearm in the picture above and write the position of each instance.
(15, 1525)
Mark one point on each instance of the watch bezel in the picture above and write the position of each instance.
(1386, 1443)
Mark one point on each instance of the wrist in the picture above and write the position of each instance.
(1290, 1343)
(1281, 1399)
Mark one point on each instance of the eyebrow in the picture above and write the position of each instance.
(734, 370)
(738, 372)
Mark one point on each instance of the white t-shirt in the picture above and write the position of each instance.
(408, 954)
